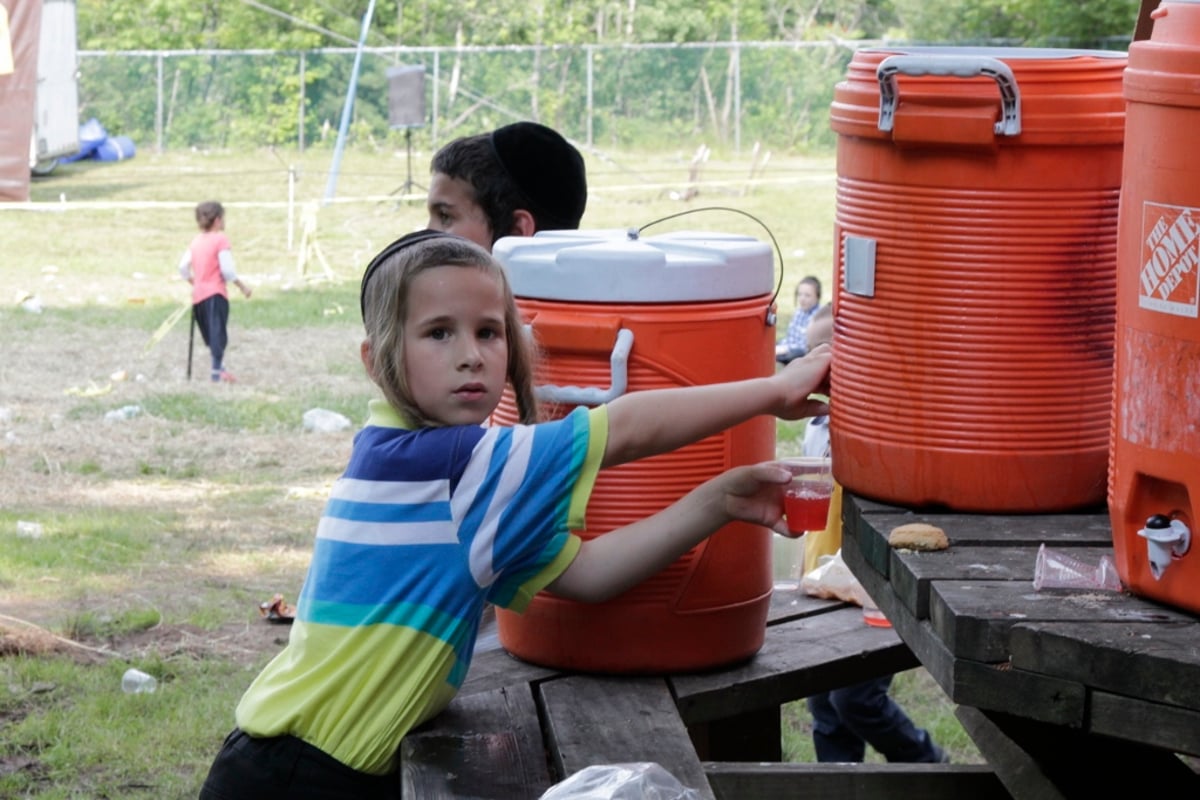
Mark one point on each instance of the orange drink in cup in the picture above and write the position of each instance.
(806, 498)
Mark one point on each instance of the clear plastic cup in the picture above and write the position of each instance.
(134, 681)
(806, 498)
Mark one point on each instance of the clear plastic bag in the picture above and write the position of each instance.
(640, 781)
(833, 580)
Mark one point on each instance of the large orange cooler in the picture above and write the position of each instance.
(1155, 466)
(976, 228)
(613, 313)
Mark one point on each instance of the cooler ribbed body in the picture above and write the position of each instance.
(976, 284)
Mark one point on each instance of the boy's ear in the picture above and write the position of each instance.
(523, 223)
(365, 354)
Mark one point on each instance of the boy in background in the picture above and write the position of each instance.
(846, 720)
(514, 181)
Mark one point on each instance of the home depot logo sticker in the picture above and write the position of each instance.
(1170, 257)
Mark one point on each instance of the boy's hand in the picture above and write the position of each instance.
(803, 377)
(754, 494)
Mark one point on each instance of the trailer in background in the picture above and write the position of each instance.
(56, 115)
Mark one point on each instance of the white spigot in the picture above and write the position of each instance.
(1166, 538)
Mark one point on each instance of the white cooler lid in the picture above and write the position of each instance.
(615, 266)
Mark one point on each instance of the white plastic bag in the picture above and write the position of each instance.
(833, 580)
(641, 781)
(322, 420)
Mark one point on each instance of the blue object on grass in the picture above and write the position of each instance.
(115, 148)
(91, 135)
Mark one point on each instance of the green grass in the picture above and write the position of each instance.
(84, 738)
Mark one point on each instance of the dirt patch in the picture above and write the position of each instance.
(238, 508)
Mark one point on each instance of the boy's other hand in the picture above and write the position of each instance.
(804, 377)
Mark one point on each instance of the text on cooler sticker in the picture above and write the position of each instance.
(1168, 280)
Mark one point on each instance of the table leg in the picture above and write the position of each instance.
(1039, 761)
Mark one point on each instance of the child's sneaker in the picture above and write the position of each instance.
(223, 376)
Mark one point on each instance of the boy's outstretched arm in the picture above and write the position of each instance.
(656, 421)
(616, 561)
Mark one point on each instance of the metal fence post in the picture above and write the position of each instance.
(158, 110)
(590, 85)
(437, 82)
(300, 111)
(736, 54)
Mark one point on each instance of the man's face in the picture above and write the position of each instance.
(452, 209)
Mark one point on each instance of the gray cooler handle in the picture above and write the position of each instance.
(592, 395)
(959, 66)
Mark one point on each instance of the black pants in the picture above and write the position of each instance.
(286, 768)
(212, 318)
(847, 719)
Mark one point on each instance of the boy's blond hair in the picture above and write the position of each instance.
(386, 285)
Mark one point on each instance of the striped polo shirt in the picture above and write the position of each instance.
(423, 528)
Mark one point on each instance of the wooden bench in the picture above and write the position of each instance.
(516, 728)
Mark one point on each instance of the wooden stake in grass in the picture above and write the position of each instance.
(36, 639)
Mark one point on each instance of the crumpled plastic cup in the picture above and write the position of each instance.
(1055, 569)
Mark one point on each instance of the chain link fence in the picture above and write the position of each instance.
(730, 94)
(725, 94)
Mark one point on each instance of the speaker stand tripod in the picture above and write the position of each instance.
(409, 185)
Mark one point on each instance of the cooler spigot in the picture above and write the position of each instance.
(1166, 538)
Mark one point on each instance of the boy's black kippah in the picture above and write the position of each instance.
(407, 240)
(548, 170)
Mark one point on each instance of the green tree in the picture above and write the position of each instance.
(1022, 22)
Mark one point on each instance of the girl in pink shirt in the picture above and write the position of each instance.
(207, 264)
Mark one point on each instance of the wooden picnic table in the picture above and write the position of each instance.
(516, 729)
(1067, 692)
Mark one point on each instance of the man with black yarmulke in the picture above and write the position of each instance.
(515, 181)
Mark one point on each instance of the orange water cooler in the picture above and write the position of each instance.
(613, 313)
(976, 228)
(1155, 460)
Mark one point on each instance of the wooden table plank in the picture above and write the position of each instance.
(975, 617)
(618, 720)
(912, 572)
(798, 659)
(870, 523)
(496, 668)
(493, 666)
(742, 781)
(1169, 727)
(1158, 661)
(789, 603)
(1083, 529)
(998, 687)
(486, 745)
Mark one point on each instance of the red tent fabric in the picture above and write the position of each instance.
(18, 97)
